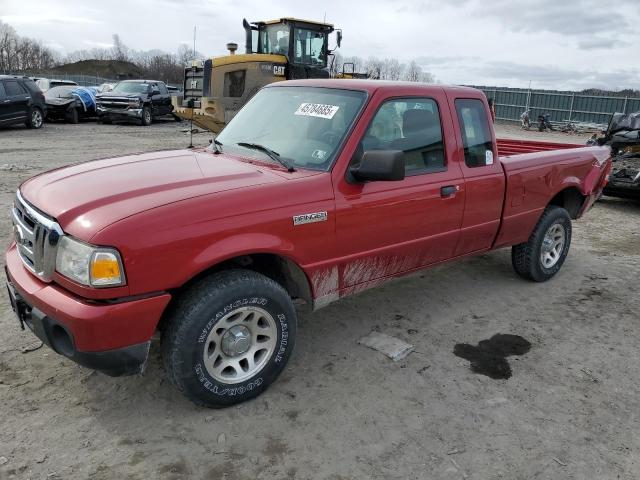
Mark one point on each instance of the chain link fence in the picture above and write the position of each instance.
(81, 79)
(564, 107)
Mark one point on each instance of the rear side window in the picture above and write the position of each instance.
(31, 85)
(234, 83)
(12, 87)
(476, 134)
(1, 90)
(163, 89)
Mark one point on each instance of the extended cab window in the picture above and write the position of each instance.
(1, 90)
(413, 126)
(163, 89)
(476, 134)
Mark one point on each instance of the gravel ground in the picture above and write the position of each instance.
(341, 410)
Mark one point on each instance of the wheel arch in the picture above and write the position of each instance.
(275, 266)
(571, 199)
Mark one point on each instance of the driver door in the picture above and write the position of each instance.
(156, 100)
(386, 228)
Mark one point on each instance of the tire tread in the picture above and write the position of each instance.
(185, 310)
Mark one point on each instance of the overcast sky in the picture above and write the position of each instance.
(563, 44)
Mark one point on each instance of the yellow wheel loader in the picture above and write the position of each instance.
(283, 49)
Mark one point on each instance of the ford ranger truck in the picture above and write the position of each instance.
(317, 189)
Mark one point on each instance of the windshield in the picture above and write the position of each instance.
(55, 83)
(131, 87)
(304, 125)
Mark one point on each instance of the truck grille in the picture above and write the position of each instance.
(114, 102)
(36, 238)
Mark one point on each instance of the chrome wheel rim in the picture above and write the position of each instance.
(552, 245)
(240, 344)
(36, 118)
(147, 116)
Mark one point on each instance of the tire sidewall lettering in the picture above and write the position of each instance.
(279, 355)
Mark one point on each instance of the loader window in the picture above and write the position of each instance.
(476, 134)
(309, 47)
(275, 39)
(234, 83)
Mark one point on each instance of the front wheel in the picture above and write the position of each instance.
(542, 256)
(146, 118)
(228, 337)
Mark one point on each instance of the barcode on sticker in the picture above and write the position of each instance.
(317, 110)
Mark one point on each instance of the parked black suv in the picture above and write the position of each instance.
(141, 100)
(21, 101)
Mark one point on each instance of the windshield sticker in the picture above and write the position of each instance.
(317, 110)
(319, 154)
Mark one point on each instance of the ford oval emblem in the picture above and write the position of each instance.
(19, 235)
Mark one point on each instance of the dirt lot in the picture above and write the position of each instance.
(341, 410)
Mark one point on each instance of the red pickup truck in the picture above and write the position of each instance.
(317, 189)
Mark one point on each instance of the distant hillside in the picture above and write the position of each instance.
(101, 68)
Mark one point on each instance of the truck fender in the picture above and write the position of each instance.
(242, 249)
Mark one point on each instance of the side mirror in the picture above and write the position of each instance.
(375, 165)
(339, 37)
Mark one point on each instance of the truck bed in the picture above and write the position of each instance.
(508, 147)
(573, 170)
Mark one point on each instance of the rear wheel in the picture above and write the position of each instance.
(36, 119)
(146, 118)
(542, 256)
(229, 337)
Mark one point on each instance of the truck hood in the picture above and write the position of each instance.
(112, 95)
(87, 197)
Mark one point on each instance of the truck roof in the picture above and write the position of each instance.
(293, 19)
(371, 86)
(141, 81)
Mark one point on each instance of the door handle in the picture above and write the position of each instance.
(449, 190)
(6, 101)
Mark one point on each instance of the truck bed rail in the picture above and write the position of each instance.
(508, 147)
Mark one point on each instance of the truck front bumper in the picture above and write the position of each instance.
(119, 112)
(112, 337)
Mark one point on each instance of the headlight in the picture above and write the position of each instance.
(89, 265)
(134, 102)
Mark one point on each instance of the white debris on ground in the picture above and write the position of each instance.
(392, 347)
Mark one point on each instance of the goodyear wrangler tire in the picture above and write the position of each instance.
(229, 337)
(542, 256)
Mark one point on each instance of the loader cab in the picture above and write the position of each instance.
(304, 43)
(216, 88)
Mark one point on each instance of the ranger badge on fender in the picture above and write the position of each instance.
(309, 218)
